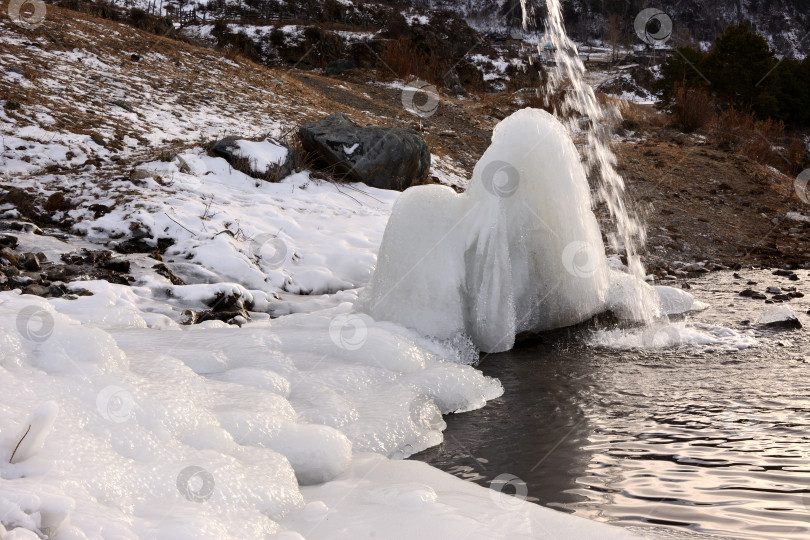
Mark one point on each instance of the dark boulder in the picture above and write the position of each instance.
(382, 157)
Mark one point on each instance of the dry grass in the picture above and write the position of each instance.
(403, 59)
(641, 117)
(760, 140)
(693, 107)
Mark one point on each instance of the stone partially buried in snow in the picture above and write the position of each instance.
(381, 157)
(779, 317)
(263, 159)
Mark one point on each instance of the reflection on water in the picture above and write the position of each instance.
(691, 439)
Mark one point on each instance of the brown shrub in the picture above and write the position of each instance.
(762, 144)
(636, 116)
(692, 107)
(731, 127)
(796, 157)
(403, 59)
(758, 139)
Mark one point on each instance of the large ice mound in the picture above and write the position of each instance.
(521, 250)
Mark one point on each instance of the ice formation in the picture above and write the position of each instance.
(521, 250)
(124, 424)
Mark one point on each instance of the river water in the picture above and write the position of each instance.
(711, 436)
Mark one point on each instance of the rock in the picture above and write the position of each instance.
(339, 66)
(233, 302)
(749, 293)
(116, 265)
(694, 267)
(35, 289)
(62, 272)
(136, 175)
(230, 308)
(773, 290)
(8, 241)
(56, 291)
(126, 105)
(56, 202)
(135, 245)
(779, 317)
(15, 69)
(386, 158)
(9, 256)
(182, 165)
(164, 271)
(228, 148)
(30, 262)
(190, 317)
(18, 282)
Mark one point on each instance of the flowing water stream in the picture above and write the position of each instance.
(578, 106)
(711, 436)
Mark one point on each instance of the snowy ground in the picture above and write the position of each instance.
(142, 428)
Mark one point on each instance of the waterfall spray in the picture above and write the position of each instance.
(579, 102)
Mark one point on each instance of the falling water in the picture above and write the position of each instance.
(579, 102)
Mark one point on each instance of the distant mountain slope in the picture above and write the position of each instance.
(785, 23)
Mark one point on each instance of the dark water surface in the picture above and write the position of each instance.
(692, 438)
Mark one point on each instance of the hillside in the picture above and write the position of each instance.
(785, 23)
(98, 98)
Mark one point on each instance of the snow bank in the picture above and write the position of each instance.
(520, 251)
(262, 154)
(201, 432)
(409, 499)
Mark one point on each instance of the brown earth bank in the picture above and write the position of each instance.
(700, 202)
